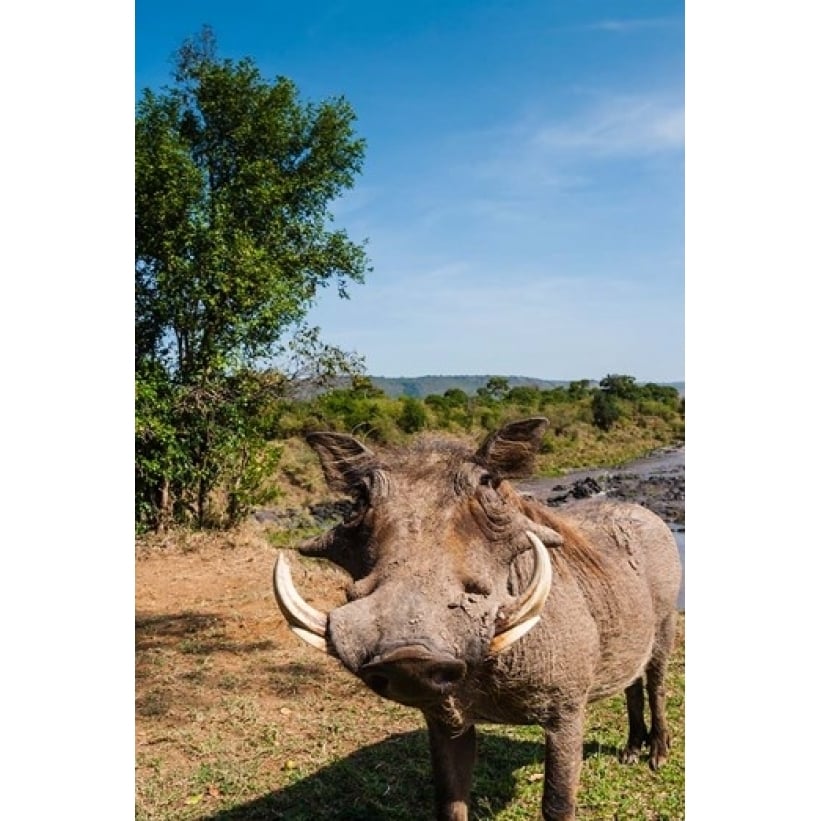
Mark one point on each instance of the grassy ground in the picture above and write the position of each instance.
(584, 445)
(238, 719)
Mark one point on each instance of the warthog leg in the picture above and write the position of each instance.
(637, 735)
(659, 738)
(562, 764)
(453, 760)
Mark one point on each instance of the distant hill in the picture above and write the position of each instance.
(422, 386)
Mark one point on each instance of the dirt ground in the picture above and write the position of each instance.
(229, 703)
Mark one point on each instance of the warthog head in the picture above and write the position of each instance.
(439, 550)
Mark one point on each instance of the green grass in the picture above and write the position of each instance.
(329, 776)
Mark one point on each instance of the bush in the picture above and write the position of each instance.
(525, 396)
(412, 418)
(606, 410)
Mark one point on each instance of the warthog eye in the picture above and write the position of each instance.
(489, 480)
(361, 497)
(477, 587)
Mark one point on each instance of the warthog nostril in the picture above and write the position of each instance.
(378, 683)
(412, 673)
(444, 674)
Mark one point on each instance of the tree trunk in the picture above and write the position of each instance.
(164, 506)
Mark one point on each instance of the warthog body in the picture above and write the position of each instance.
(475, 604)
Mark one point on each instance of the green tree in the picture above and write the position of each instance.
(234, 178)
(606, 410)
(526, 396)
(456, 397)
(412, 418)
(362, 386)
(555, 396)
(660, 393)
(624, 387)
(439, 408)
(495, 389)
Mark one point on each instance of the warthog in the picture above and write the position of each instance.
(475, 604)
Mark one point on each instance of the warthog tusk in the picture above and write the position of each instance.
(527, 612)
(307, 622)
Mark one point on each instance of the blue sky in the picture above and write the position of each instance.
(523, 187)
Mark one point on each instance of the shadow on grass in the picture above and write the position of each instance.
(389, 781)
(194, 633)
(153, 631)
(592, 748)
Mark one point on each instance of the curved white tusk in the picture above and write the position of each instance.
(307, 622)
(501, 641)
(527, 612)
(312, 639)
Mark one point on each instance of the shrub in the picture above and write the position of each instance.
(412, 418)
(606, 410)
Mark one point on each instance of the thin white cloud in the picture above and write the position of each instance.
(356, 201)
(627, 26)
(515, 183)
(620, 125)
(520, 175)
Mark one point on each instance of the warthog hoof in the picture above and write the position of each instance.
(659, 748)
(629, 755)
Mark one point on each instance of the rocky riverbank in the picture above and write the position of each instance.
(657, 482)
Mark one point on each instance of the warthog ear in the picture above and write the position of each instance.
(511, 451)
(345, 461)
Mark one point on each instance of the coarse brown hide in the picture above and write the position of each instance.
(476, 605)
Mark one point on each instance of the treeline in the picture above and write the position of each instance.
(588, 424)
(371, 413)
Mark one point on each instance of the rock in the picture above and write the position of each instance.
(326, 513)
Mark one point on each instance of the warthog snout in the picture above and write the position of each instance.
(412, 673)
